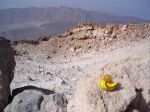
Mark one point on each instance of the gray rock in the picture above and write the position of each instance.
(33, 99)
(7, 65)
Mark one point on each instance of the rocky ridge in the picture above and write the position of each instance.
(30, 23)
(84, 37)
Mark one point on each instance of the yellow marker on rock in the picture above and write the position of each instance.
(106, 83)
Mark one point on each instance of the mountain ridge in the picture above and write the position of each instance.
(32, 23)
(50, 10)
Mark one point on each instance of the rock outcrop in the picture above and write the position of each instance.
(33, 99)
(133, 93)
(85, 36)
(7, 65)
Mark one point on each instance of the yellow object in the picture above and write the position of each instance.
(106, 82)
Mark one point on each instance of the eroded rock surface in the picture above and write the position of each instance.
(132, 73)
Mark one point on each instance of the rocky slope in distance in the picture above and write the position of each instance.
(30, 23)
(71, 64)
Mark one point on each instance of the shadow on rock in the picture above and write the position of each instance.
(139, 103)
(118, 88)
(34, 99)
(19, 90)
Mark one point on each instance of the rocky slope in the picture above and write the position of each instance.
(59, 62)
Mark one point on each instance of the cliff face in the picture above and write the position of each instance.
(78, 57)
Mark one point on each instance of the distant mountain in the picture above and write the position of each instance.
(31, 23)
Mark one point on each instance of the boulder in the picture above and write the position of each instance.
(80, 35)
(133, 93)
(7, 65)
(124, 27)
(34, 99)
(83, 35)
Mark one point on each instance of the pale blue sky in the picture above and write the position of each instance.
(137, 8)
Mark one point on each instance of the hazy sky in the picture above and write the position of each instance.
(137, 8)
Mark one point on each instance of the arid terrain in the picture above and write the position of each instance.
(60, 62)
